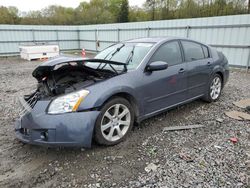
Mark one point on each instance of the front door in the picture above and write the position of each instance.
(167, 87)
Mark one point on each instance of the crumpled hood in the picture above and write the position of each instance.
(47, 66)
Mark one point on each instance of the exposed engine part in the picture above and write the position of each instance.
(65, 79)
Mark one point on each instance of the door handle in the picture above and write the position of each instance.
(208, 63)
(182, 70)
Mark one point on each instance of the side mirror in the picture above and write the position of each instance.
(157, 66)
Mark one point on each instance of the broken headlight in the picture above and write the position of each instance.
(67, 103)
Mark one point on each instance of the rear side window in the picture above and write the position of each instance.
(192, 51)
(205, 51)
(169, 52)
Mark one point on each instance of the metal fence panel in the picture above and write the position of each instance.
(11, 36)
(229, 34)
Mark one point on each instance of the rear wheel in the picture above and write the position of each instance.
(214, 89)
(114, 122)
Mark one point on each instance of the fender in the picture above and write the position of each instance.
(217, 68)
(101, 92)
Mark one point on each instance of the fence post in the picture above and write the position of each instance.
(33, 35)
(148, 31)
(118, 35)
(248, 59)
(187, 31)
(79, 39)
(57, 37)
(96, 49)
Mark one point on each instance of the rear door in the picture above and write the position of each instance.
(199, 67)
(165, 88)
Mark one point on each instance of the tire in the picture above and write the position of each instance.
(112, 125)
(214, 89)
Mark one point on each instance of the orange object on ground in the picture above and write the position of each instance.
(83, 53)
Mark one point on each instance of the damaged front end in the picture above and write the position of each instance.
(65, 75)
(61, 88)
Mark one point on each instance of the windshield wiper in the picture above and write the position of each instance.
(117, 50)
(129, 59)
(130, 56)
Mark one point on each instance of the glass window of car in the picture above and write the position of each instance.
(130, 53)
(205, 50)
(169, 52)
(193, 51)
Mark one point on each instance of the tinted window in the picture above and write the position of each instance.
(193, 51)
(169, 52)
(205, 50)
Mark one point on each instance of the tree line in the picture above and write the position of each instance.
(119, 11)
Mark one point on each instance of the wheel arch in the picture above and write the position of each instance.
(219, 70)
(221, 75)
(130, 98)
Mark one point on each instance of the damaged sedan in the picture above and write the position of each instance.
(79, 100)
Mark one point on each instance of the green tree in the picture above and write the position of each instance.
(114, 7)
(58, 15)
(152, 5)
(34, 18)
(168, 8)
(248, 10)
(188, 9)
(138, 14)
(124, 12)
(94, 12)
(111, 11)
(9, 15)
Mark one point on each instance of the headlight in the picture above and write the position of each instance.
(67, 103)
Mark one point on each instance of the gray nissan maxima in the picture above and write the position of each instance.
(79, 100)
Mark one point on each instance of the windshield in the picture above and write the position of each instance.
(128, 53)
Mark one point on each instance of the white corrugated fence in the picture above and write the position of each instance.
(230, 34)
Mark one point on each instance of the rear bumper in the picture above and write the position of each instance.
(69, 129)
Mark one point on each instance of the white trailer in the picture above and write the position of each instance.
(38, 51)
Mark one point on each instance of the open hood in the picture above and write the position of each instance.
(45, 68)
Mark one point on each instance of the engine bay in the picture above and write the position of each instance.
(65, 78)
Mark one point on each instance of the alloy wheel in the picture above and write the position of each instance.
(215, 88)
(115, 122)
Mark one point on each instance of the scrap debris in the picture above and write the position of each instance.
(242, 103)
(177, 128)
(218, 147)
(233, 140)
(245, 104)
(151, 167)
(220, 120)
(238, 115)
(186, 157)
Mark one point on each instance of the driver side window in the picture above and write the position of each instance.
(169, 52)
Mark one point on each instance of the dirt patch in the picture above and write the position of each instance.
(202, 157)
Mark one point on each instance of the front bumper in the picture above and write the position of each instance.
(69, 129)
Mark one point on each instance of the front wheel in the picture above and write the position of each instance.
(214, 89)
(114, 122)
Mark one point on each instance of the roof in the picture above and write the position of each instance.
(152, 39)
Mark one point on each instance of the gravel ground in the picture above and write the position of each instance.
(202, 157)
